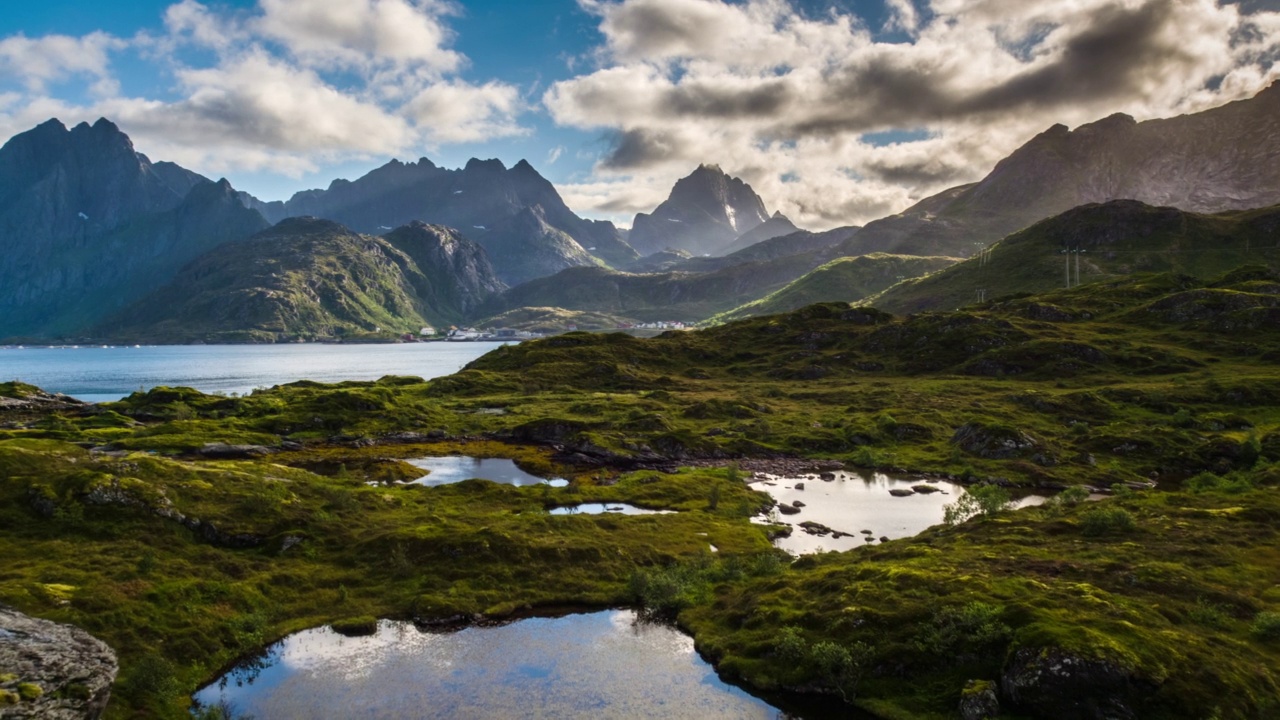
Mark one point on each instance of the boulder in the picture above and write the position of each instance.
(1054, 684)
(72, 670)
(787, 509)
(978, 700)
(926, 489)
(901, 492)
(993, 442)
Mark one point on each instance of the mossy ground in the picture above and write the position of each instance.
(1101, 385)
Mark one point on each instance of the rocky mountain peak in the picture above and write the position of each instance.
(705, 212)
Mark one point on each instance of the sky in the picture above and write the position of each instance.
(837, 112)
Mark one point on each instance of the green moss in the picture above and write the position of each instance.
(29, 691)
(355, 626)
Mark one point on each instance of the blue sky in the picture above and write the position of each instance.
(837, 112)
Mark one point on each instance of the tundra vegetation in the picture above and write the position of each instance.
(187, 530)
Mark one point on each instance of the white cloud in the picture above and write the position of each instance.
(50, 58)
(285, 86)
(769, 93)
(362, 33)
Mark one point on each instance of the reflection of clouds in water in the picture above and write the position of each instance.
(592, 665)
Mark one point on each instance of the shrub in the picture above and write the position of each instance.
(980, 501)
(1106, 521)
(152, 675)
(791, 646)
(840, 666)
(1208, 614)
(1266, 626)
(973, 626)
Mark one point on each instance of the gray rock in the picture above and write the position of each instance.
(1054, 684)
(978, 700)
(224, 451)
(786, 509)
(901, 492)
(73, 669)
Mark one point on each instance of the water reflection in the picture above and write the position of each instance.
(860, 508)
(456, 468)
(600, 665)
(601, 508)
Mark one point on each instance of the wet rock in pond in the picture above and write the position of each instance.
(816, 528)
(1055, 684)
(827, 476)
(978, 700)
(926, 489)
(797, 503)
(901, 492)
(64, 672)
(223, 451)
(799, 486)
(993, 442)
(866, 532)
(868, 539)
(788, 509)
(884, 538)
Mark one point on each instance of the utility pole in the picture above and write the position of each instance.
(1067, 257)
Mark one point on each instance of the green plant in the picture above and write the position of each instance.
(1209, 614)
(1106, 520)
(791, 645)
(980, 501)
(29, 691)
(1266, 626)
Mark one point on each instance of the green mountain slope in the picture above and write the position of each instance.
(309, 279)
(1117, 238)
(841, 280)
(687, 297)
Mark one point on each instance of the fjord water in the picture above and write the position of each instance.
(101, 374)
(603, 664)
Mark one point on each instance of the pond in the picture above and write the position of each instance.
(850, 503)
(605, 664)
(456, 468)
(600, 508)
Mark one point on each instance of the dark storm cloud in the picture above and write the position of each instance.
(640, 148)
(1106, 60)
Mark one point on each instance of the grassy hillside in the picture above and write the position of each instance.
(1117, 239)
(688, 297)
(1157, 602)
(841, 280)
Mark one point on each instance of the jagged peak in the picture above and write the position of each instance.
(105, 125)
(710, 168)
(490, 164)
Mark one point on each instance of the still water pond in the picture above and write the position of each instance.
(591, 665)
(100, 374)
(850, 502)
(456, 468)
(601, 508)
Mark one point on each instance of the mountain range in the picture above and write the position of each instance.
(88, 225)
(96, 240)
(514, 213)
(1225, 158)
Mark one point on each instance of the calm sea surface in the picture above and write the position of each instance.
(99, 374)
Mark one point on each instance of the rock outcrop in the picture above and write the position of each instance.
(52, 671)
(1054, 684)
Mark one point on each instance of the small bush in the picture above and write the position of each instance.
(1266, 626)
(981, 501)
(1106, 521)
(791, 645)
(1209, 614)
